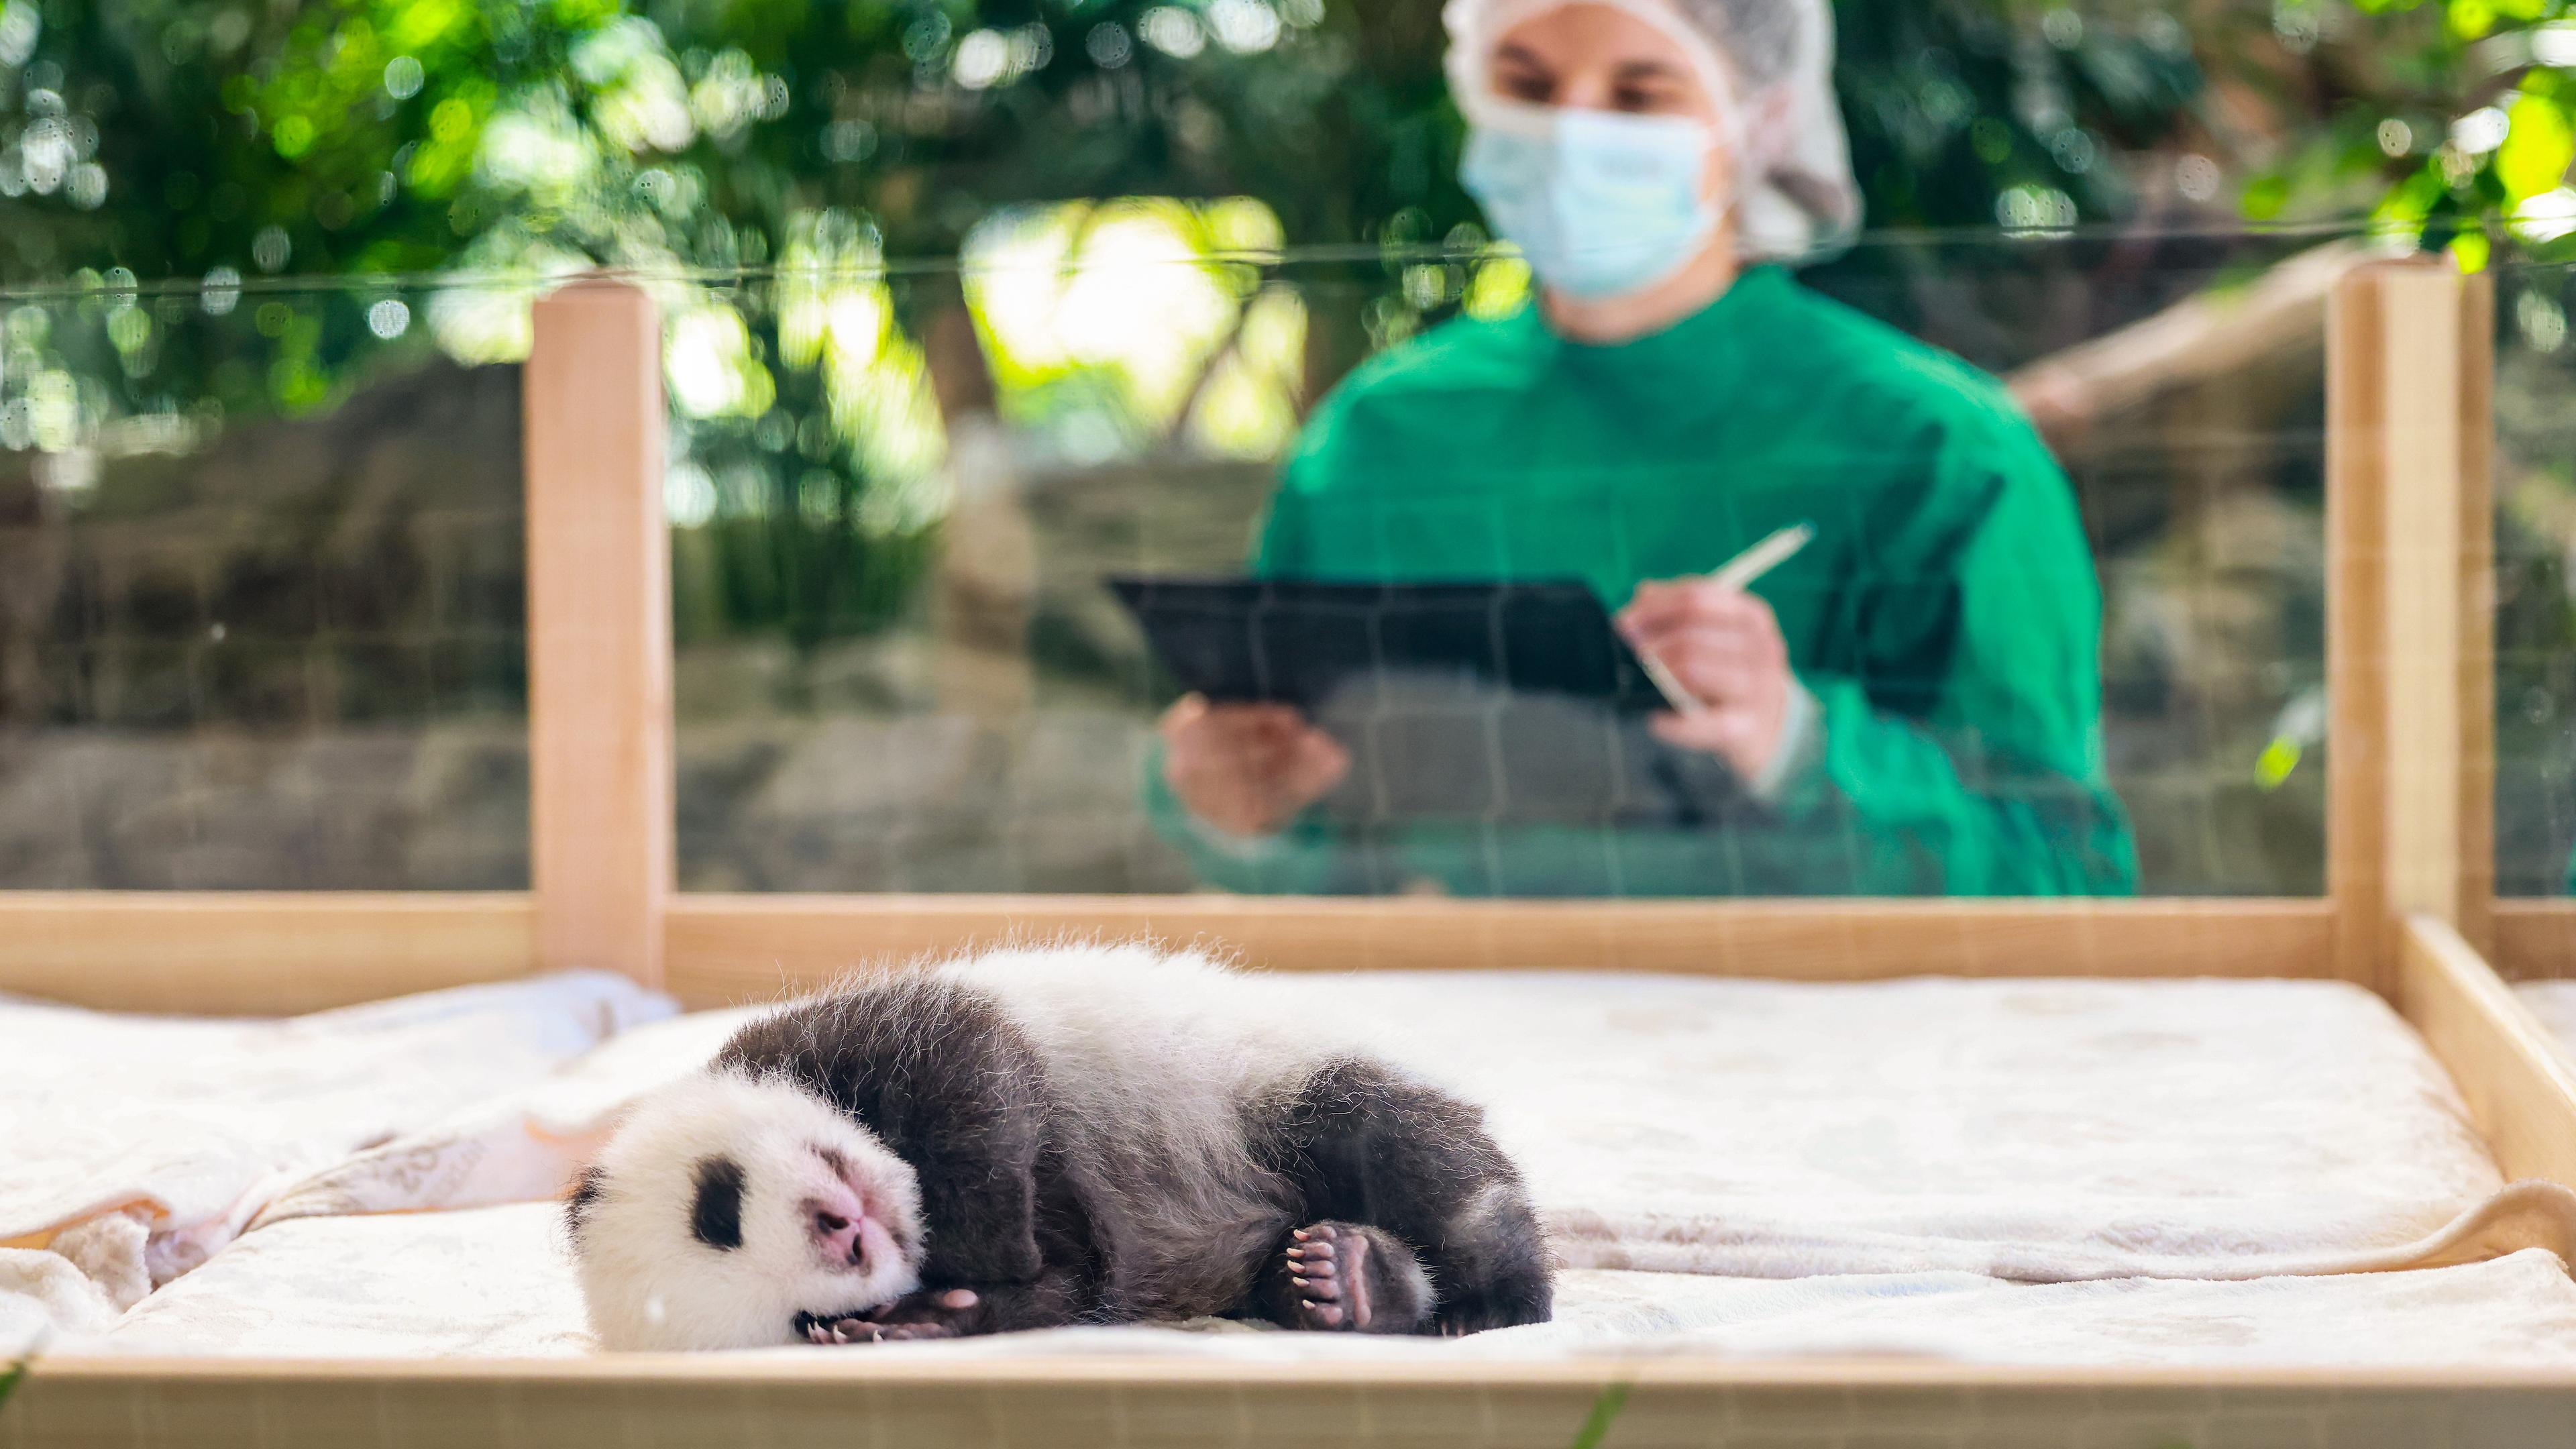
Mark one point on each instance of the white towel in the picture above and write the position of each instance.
(195, 1124)
(518, 1146)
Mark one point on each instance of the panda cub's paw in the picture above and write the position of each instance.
(1345, 1278)
(942, 1313)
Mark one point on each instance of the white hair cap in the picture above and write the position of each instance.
(1768, 63)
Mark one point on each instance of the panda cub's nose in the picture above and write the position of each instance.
(834, 1220)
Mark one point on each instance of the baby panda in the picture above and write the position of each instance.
(1037, 1137)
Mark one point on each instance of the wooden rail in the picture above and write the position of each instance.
(274, 954)
(2519, 1085)
(734, 948)
(1123, 1404)
(255, 953)
(2535, 939)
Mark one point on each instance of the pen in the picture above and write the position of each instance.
(1738, 572)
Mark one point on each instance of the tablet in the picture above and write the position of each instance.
(1495, 703)
(1311, 644)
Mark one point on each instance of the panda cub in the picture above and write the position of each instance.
(1037, 1137)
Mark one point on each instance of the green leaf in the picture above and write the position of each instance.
(2278, 759)
(417, 24)
(2537, 150)
(2264, 197)
(1605, 1409)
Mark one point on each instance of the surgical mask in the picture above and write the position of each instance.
(1601, 204)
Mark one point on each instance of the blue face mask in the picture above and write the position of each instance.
(1601, 204)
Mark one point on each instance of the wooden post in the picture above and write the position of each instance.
(2519, 1087)
(599, 631)
(2410, 634)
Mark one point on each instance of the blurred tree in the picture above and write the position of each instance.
(2451, 122)
(176, 137)
(220, 140)
(231, 143)
(1983, 114)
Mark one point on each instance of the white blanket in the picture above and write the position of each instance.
(2033, 1130)
(494, 1282)
(2046, 1131)
(2024, 1129)
(189, 1127)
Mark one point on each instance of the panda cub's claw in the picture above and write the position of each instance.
(1344, 1278)
(940, 1314)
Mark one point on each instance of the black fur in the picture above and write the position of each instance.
(585, 1191)
(715, 1212)
(1364, 1145)
(945, 1080)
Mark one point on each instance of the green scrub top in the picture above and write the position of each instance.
(1945, 618)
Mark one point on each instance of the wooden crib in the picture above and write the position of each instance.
(2408, 912)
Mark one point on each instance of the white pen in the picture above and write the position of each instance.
(1738, 573)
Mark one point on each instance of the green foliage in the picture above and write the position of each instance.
(252, 145)
(2462, 116)
(696, 131)
(1605, 1412)
(378, 136)
(1964, 113)
(220, 139)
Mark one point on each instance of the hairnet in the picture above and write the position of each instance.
(1768, 63)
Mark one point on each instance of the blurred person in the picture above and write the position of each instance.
(1910, 705)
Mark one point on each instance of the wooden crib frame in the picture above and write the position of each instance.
(2407, 912)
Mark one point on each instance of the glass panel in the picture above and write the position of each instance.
(264, 595)
(2535, 488)
(260, 603)
(897, 492)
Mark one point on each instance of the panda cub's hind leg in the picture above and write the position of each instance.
(1345, 1278)
(1429, 1218)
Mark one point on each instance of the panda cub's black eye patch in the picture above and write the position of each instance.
(715, 1216)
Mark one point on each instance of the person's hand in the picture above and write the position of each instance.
(1724, 646)
(1246, 769)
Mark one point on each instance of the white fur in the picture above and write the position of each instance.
(1121, 1027)
(650, 1284)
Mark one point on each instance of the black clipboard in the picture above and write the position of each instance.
(1308, 644)
(1494, 702)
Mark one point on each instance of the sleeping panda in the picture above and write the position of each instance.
(1037, 1137)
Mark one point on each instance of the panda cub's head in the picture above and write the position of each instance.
(725, 1210)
